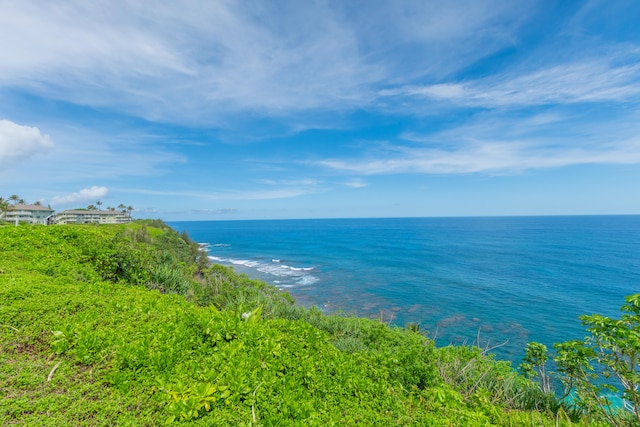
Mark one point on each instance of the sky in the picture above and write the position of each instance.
(235, 109)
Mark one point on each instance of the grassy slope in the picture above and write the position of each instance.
(127, 355)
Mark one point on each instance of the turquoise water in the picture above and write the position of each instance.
(507, 280)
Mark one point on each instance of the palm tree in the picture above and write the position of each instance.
(91, 207)
(98, 204)
(129, 209)
(22, 202)
(14, 198)
(122, 207)
(4, 205)
(38, 203)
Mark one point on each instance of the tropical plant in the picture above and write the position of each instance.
(605, 363)
(4, 205)
(616, 343)
(534, 364)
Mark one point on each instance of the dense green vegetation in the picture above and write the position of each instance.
(129, 325)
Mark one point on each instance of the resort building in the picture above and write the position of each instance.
(83, 216)
(30, 214)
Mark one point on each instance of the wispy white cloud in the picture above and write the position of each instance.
(228, 194)
(83, 196)
(104, 161)
(495, 144)
(222, 211)
(356, 183)
(183, 61)
(489, 157)
(596, 80)
(18, 143)
(283, 193)
(306, 182)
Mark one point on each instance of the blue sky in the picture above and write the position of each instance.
(230, 109)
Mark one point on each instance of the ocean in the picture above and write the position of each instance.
(497, 281)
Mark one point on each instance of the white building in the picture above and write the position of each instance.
(30, 214)
(83, 216)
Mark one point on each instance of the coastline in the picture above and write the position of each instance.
(533, 275)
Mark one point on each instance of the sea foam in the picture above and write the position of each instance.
(282, 275)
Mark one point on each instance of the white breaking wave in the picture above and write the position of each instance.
(243, 262)
(308, 280)
(290, 276)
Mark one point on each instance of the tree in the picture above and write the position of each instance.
(122, 207)
(38, 203)
(14, 198)
(91, 207)
(4, 205)
(98, 204)
(577, 375)
(616, 343)
(129, 210)
(586, 367)
(534, 362)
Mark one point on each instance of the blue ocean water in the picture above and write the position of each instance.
(503, 279)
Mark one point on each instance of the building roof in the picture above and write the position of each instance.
(91, 212)
(21, 207)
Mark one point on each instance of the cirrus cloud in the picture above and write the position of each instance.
(494, 157)
(202, 63)
(604, 79)
(356, 183)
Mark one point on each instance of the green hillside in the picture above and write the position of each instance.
(127, 325)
